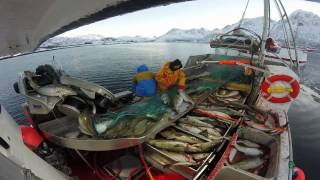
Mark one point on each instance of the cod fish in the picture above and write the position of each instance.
(248, 150)
(249, 163)
(140, 127)
(195, 121)
(172, 134)
(211, 131)
(177, 146)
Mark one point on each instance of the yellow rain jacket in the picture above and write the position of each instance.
(166, 78)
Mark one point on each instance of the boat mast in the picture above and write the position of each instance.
(265, 32)
(260, 63)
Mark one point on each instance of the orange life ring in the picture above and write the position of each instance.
(294, 91)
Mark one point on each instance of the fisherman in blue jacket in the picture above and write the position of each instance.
(144, 83)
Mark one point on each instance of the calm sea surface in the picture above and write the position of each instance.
(113, 67)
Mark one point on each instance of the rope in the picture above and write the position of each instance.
(144, 163)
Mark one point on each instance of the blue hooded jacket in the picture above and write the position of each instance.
(144, 83)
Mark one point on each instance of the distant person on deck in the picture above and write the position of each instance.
(271, 46)
(144, 83)
(171, 74)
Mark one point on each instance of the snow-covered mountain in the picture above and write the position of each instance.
(253, 24)
(190, 35)
(306, 27)
(60, 41)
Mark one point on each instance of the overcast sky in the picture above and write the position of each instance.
(208, 14)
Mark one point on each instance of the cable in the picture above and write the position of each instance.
(244, 12)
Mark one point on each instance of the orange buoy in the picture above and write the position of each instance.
(298, 174)
(31, 137)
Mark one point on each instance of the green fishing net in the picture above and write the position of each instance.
(127, 121)
(212, 76)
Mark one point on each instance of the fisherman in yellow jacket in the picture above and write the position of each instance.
(171, 74)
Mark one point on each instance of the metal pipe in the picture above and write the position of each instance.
(259, 77)
(293, 39)
(284, 31)
(264, 32)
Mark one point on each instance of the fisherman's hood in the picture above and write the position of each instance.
(142, 68)
(25, 24)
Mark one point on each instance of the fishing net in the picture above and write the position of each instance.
(213, 75)
(135, 119)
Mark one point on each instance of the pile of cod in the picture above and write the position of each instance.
(203, 132)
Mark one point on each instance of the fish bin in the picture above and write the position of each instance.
(253, 156)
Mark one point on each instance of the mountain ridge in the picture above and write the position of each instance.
(305, 25)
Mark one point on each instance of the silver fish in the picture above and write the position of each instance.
(248, 143)
(226, 93)
(249, 163)
(248, 150)
(177, 146)
(232, 154)
(190, 128)
(200, 156)
(229, 99)
(56, 90)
